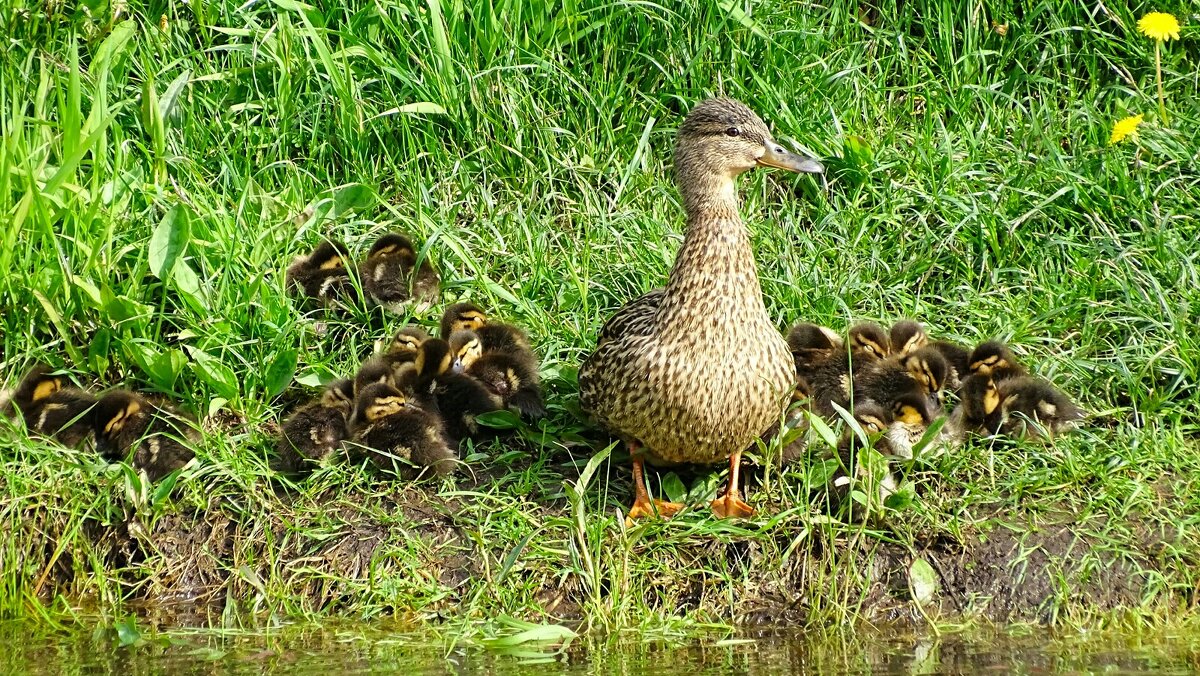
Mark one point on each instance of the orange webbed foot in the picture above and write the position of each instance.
(643, 510)
(731, 506)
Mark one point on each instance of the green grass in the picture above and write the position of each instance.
(970, 185)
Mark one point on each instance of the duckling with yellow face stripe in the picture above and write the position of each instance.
(391, 278)
(322, 275)
(316, 430)
(994, 358)
(922, 372)
(1033, 408)
(398, 436)
(912, 413)
(907, 336)
(460, 398)
(53, 408)
(494, 336)
(831, 378)
(157, 435)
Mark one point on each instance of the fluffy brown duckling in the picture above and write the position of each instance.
(874, 421)
(391, 278)
(811, 341)
(53, 408)
(923, 371)
(156, 433)
(322, 275)
(398, 436)
(958, 358)
(831, 380)
(405, 344)
(907, 336)
(978, 410)
(1035, 409)
(911, 415)
(511, 377)
(994, 358)
(460, 397)
(316, 430)
(494, 336)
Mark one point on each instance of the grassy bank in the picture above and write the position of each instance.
(971, 185)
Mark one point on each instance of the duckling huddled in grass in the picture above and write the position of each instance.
(391, 275)
(418, 390)
(909, 375)
(153, 435)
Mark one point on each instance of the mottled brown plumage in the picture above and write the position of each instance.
(322, 275)
(907, 336)
(53, 408)
(157, 434)
(391, 278)
(398, 436)
(316, 430)
(1033, 408)
(696, 371)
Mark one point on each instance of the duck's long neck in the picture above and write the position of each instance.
(714, 273)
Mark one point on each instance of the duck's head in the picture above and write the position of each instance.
(991, 356)
(392, 244)
(979, 395)
(338, 394)
(908, 336)
(38, 384)
(329, 255)
(913, 409)
(928, 367)
(465, 348)
(434, 358)
(115, 409)
(462, 317)
(723, 137)
(804, 338)
(872, 417)
(869, 339)
(407, 340)
(378, 401)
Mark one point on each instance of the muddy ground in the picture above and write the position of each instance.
(326, 556)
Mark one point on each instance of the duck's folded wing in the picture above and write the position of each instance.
(637, 318)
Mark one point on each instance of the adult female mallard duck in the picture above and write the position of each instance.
(695, 371)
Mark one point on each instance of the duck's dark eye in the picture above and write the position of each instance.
(733, 131)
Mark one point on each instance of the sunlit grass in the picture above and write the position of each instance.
(970, 185)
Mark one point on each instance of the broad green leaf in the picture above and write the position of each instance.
(501, 420)
(922, 580)
(422, 107)
(127, 632)
(168, 241)
(279, 374)
(216, 374)
(354, 196)
(164, 488)
(673, 487)
(188, 283)
(166, 104)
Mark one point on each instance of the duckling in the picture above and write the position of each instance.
(978, 411)
(874, 421)
(510, 379)
(912, 413)
(156, 433)
(405, 344)
(907, 336)
(994, 358)
(460, 398)
(1033, 408)
(391, 278)
(809, 341)
(494, 336)
(958, 358)
(54, 409)
(390, 427)
(316, 430)
(831, 379)
(465, 349)
(322, 275)
(923, 371)
(660, 375)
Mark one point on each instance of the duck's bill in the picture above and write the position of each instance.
(779, 158)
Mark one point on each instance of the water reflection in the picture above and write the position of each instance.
(25, 648)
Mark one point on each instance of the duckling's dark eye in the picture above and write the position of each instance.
(733, 131)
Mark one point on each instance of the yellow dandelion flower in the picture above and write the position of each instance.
(1159, 26)
(1125, 128)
